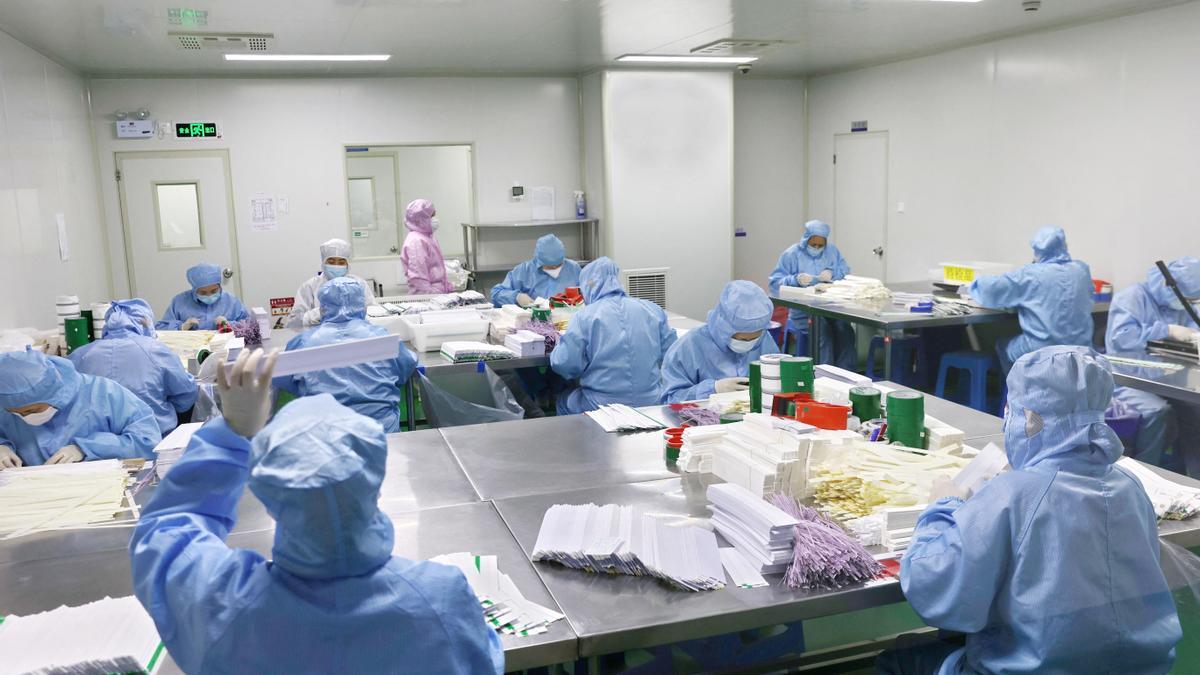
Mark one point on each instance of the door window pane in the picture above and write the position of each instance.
(178, 215)
(362, 204)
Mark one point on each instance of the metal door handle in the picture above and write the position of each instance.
(227, 273)
(878, 250)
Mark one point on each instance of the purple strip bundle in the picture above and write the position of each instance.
(248, 330)
(699, 417)
(546, 330)
(825, 557)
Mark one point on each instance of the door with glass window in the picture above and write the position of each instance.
(177, 212)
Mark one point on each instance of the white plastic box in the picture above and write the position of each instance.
(428, 331)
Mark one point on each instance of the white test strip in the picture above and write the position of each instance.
(741, 571)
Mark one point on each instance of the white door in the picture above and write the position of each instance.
(178, 212)
(860, 194)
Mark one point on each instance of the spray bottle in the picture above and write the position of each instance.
(580, 205)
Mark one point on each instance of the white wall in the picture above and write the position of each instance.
(287, 137)
(1094, 128)
(669, 168)
(46, 167)
(768, 161)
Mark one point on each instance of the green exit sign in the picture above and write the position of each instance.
(195, 130)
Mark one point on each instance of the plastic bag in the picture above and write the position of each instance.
(1181, 568)
(456, 275)
(444, 409)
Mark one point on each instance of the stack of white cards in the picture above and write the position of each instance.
(1171, 500)
(699, 444)
(106, 636)
(618, 417)
(170, 449)
(616, 539)
(526, 343)
(764, 534)
(504, 608)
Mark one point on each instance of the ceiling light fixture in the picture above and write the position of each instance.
(685, 59)
(307, 57)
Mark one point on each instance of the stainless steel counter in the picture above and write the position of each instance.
(1180, 385)
(973, 422)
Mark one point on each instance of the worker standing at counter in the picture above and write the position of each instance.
(716, 356)
(546, 275)
(813, 261)
(614, 346)
(335, 264)
(424, 264)
(207, 306)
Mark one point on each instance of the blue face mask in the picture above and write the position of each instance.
(816, 250)
(336, 271)
(209, 299)
(742, 346)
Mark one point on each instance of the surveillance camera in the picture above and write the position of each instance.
(743, 68)
(1031, 5)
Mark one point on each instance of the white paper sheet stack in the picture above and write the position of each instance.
(699, 444)
(107, 636)
(48, 497)
(170, 449)
(618, 417)
(986, 465)
(475, 351)
(760, 531)
(526, 343)
(1171, 500)
(504, 607)
(766, 455)
(616, 539)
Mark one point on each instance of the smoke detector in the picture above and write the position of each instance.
(737, 47)
(195, 41)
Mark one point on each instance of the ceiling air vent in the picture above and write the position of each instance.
(647, 284)
(737, 47)
(225, 42)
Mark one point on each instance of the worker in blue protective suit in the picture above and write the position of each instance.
(547, 274)
(715, 358)
(1052, 567)
(331, 598)
(207, 306)
(52, 414)
(1052, 296)
(1146, 311)
(371, 389)
(128, 353)
(614, 346)
(814, 261)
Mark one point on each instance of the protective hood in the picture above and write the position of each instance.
(129, 317)
(549, 251)
(341, 300)
(1056, 402)
(418, 216)
(204, 274)
(32, 377)
(317, 467)
(335, 248)
(814, 228)
(600, 279)
(1050, 245)
(1187, 274)
(743, 308)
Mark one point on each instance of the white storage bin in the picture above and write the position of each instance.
(428, 336)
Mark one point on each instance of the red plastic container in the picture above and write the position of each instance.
(823, 415)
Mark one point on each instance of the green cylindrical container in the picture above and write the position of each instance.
(796, 374)
(906, 418)
(671, 453)
(755, 387)
(866, 402)
(540, 314)
(78, 330)
(732, 418)
(87, 314)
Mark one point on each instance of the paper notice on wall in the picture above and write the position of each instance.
(64, 246)
(542, 201)
(262, 214)
(280, 308)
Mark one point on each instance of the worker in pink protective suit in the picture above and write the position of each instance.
(422, 256)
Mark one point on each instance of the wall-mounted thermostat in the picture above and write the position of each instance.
(518, 192)
(135, 129)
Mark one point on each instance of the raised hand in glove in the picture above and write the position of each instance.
(246, 392)
(944, 487)
(804, 279)
(728, 384)
(826, 276)
(523, 300)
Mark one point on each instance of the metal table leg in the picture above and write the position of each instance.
(410, 405)
(814, 337)
(887, 354)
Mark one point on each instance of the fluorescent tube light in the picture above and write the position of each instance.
(307, 57)
(683, 58)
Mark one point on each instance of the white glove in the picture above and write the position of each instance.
(221, 321)
(190, 324)
(804, 279)
(313, 316)
(8, 458)
(246, 397)
(728, 384)
(944, 487)
(68, 454)
(826, 275)
(523, 300)
(1180, 333)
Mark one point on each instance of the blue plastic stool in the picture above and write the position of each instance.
(908, 360)
(977, 365)
(801, 340)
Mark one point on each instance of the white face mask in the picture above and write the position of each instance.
(554, 272)
(40, 418)
(742, 346)
(434, 224)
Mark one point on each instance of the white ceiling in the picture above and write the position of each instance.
(129, 37)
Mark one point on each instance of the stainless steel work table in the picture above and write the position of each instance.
(973, 423)
(616, 613)
(554, 454)
(1180, 385)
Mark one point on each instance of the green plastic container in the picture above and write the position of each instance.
(796, 374)
(79, 332)
(906, 418)
(87, 314)
(755, 387)
(866, 402)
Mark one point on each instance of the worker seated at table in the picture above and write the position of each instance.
(52, 414)
(1146, 311)
(128, 353)
(1052, 296)
(207, 306)
(335, 264)
(1052, 567)
(330, 598)
(614, 346)
(546, 275)
(424, 265)
(371, 389)
(715, 358)
(815, 261)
